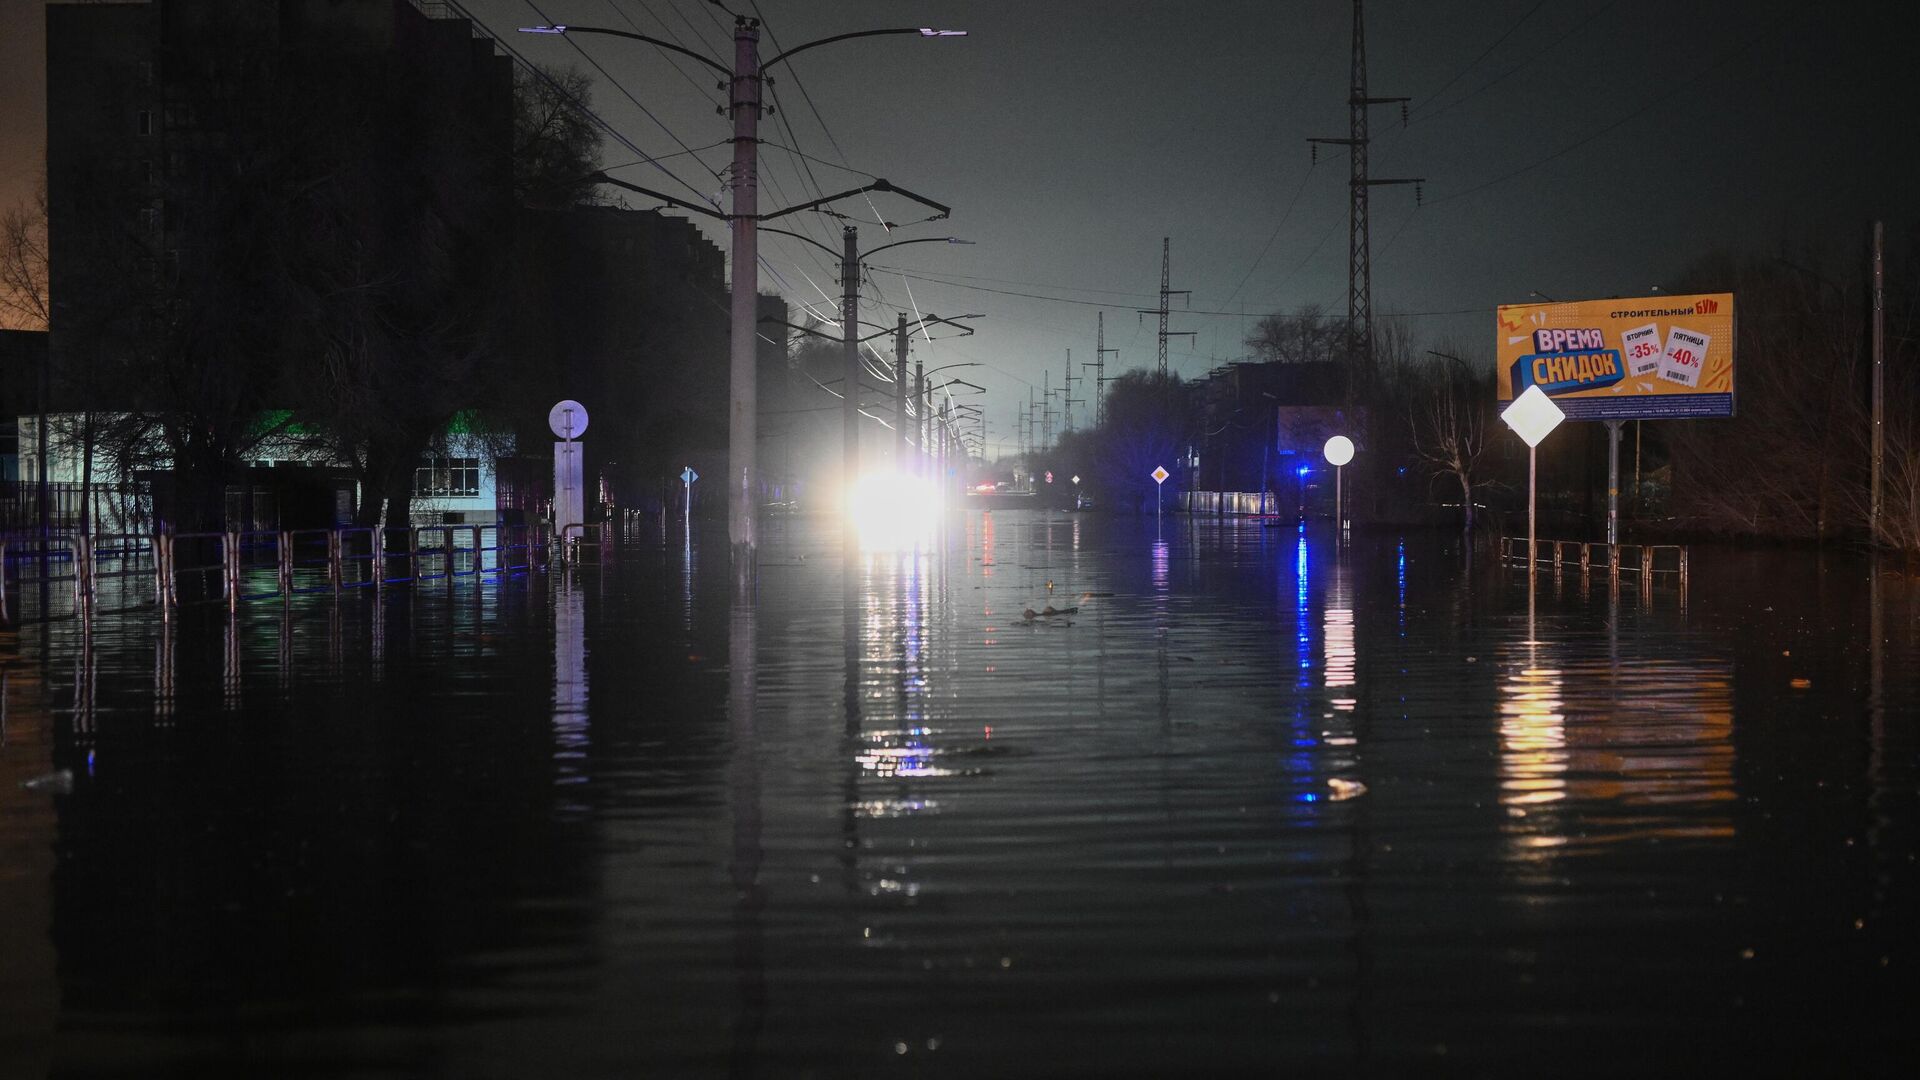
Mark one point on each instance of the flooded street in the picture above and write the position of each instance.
(1252, 803)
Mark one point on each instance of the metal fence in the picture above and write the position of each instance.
(241, 566)
(1649, 561)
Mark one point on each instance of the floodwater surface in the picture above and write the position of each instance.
(1251, 803)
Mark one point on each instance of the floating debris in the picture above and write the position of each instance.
(58, 782)
(1343, 790)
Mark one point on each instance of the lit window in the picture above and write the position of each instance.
(447, 478)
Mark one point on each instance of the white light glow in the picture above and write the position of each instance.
(893, 511)
(1533, 415)
(1339, 450)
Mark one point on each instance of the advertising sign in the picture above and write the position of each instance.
(1642, 358)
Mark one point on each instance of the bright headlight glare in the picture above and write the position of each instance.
(893, 511)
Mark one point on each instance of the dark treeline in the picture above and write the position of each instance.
(1793, 464)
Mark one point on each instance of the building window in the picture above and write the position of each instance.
(447, 478)
(143, 123)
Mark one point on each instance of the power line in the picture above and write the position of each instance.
(1530, 56)
(1183, 311)
(598, 120)
(1658, 99)
(1484, 53)
(588, 57)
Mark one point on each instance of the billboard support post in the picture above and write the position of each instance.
(1613, 481)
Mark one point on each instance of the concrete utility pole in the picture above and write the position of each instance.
(1359, 247)
(850, 357)
(1166, 271)
(1879, 376)
(900, 394)
(743, 105)
(743, 409)
(920, 421)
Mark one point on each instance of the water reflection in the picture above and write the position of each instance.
(1590, 724)
(1332, 806)
(571, 717)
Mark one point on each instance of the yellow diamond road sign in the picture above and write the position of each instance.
(1160, 474)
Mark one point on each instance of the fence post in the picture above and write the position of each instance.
(1646, 563)
(230, 568)
(286, 564)
(334, 573)
(1683, 568)
(160, 571)
(378, 537)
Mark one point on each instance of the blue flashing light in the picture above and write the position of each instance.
(1307, 796)
(1303, 470)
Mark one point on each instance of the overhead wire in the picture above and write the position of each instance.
(1658, 99)
(585, 110)
(628, 94)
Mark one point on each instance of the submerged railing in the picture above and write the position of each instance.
(1650, 561)
(248, 565)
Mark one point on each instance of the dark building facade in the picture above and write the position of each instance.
(268, 204)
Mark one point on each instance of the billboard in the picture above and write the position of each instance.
(1643, 358)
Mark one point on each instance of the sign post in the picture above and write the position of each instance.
(1159, 475)
(568, 420)
(1532, 416)
(687, 477)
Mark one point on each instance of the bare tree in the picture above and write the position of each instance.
(555, 144)
(1449, 421)
(24, 301)
(1309, 335)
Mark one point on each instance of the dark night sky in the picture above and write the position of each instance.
(1621, 139)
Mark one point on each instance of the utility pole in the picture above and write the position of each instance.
(1067, 398)
(1879, 377)
(850, 349)
(900, 394)
(1046, 411)
(743, 415)
(1099, 367)
(1033, 423)
(1359, 245)
(1166, 270)
(743, 104)
(920, 406)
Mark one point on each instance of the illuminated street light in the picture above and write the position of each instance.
(1338, 451)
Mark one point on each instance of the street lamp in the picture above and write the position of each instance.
(743, 104)
(1338, 451)
(1532, 416)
